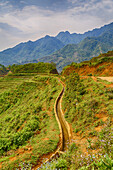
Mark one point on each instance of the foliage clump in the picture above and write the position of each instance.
(34, 68)
(3, 70)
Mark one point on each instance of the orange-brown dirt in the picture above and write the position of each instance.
(19, 153)
(103, 69)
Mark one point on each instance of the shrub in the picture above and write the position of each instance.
(61, 164)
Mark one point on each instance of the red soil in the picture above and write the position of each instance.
(103, 69)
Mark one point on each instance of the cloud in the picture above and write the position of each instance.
(9, 36)
(2, 3)
(33, 22)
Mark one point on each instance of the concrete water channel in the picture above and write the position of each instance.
(65, 131)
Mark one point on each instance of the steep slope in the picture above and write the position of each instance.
(30, 50)
(62, 57)
(74, 38)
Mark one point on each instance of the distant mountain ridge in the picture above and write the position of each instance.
(74, 38)
(30, 50)
(85, 50)
(62, 49)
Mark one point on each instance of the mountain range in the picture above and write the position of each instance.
(85, 50)
(74, 38)
(61, 49)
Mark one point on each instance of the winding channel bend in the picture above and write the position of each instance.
(65, 133)
(64, 128)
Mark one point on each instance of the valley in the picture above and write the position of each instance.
(56, 85)
(51, 121)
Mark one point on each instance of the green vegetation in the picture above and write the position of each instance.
(87, 107)
(34, 68)
(28, 128)
(73, 162)
(3, 70)
(27, 120)
(83, 99)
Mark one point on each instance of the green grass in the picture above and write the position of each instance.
(87, 99)
(83, 102)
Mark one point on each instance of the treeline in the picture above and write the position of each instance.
(3, 69)
(34, 68)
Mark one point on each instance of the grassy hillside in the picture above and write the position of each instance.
(29, 132)
(28, 128)
(87, 106)
(98, 66)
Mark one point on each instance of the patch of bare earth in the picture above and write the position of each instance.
(19, 153)
(110, 79)
(94, 70)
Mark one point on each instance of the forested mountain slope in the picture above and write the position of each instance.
(85, 50)
(79, 47)
(75, 38)
(30, 50)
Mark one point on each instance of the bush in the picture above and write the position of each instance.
(61, 164)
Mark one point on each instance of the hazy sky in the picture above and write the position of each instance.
(23, 20)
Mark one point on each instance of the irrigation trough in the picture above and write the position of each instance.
(64, 128)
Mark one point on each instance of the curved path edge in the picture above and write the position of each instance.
(60, 147)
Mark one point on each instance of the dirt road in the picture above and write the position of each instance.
(110, 79)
